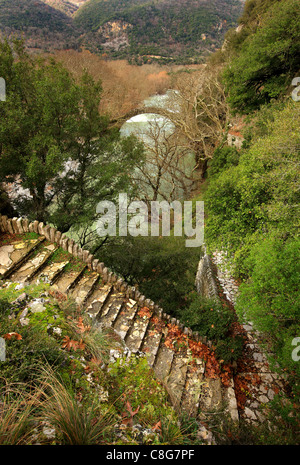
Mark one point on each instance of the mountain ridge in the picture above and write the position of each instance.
(183, 30)
(160, 27)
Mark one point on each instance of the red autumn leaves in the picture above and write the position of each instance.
(127, 417)
(72, 344)
(145, 312)
(13, 335)
(176, 340)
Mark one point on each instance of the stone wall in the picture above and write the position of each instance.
(206, 281)
(22, 226)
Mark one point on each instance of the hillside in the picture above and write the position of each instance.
(69, 8)
(41, 25)
(161, 28)
(210, 334)
(144, 30)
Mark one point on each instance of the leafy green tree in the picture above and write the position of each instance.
(261, 193)
(54, 142)
(267, 60)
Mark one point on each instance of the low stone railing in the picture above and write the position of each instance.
(206, 281)
(23, 225)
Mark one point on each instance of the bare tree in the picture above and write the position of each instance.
(199, 113)
(167, 172)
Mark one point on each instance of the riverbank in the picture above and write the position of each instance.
(125, 86)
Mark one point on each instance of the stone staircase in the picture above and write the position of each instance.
(110, 302)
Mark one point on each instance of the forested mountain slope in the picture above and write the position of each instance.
(161, 27)
(132, 28)
(41, 25)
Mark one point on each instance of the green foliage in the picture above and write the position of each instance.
(17, 416)
(135, 389)
(75, 388)
(76, 423)
(160, 27)
(223, 158)
(267, 59)
(25, 356)
(258, 195)
(253, 10)
(55, 140)
(258, 124)
(284, 414)
(162, 267)
(134, 379)
(51, 316)
(271, 295)
(214, 321)
(253, 213)
(10, 293)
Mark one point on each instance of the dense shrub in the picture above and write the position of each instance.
(223, 158)
(214, 321)
(267, 59)
(24, 356)
(270, 297)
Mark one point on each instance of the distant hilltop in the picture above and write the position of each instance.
(184, 30)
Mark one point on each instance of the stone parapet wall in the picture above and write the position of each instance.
(206, 281)
(112, 285)
(22, 226)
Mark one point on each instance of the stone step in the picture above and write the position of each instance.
(184, 377)
(12, 256)
(193, 389)
(51, 272)
(211, 397)
(135, 336)
(112, 310)
(125, 317)
(151, 344)
(69, 279)
(100, 292)
(34, 264)
(97, 300)
(163, 362)
(84, 287)
(177, 379)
